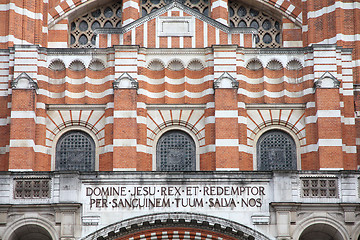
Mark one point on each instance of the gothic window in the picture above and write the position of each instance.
(176, 151)
(269, 28)
(82, 28)
(276, 150)
(75, 150)
(202, 6)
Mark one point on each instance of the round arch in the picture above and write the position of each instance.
(31, 228)
(176, 128)
(356, 232)
(177, 223)
(78, 7)
(326, 224)
(74, 128)
(280, 128)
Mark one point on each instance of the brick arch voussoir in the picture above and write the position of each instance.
(66, 7)
(177, 225)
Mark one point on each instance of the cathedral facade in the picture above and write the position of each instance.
(179, 119)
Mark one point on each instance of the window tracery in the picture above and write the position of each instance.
(269, 28)
(82, 28)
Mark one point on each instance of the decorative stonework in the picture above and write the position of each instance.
(82, 28)
(195, 223)
(24, 81)
(226, 81)
(319, 188)
(77, 65)
(327, 80)
(269, 28)
(96, 65)
(57, 65)
(31, 188)
(125, 81)
(201, 6)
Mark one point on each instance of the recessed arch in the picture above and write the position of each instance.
(31, 228)
(156, 65)
(57, 65)
(96, 65)
(174, 128)
(288, 134)
(77, 65)
(192, 221)
(195, 65)
(294, 64)
(175, 151)
(176, 65)
(254, 64)
(68, 130)
(72, 8)
(327, 224)
(274, 65)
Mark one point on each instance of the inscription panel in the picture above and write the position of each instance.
(174, 197)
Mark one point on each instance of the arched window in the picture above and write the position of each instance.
(276, 150)
(82, 28)
(75, 150)
(176, 151)
(269, 28)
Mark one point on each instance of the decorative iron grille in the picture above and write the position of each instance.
(276, 150)
(269, 28)
(31, 188)
(317, 188)
(176, 151)
(75, 150)
(148, 6)
(82, 28)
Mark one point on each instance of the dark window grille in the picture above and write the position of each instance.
(75, 150)
(176, 151)
(276, 150)
(319, 188)
(32, 188)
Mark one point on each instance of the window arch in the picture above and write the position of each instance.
(75, 150)
(276, 150)
(82, 28)
(269, 28)
(175, 151)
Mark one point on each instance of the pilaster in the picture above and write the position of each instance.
(23, 124)
(125, 125)
(226, 123)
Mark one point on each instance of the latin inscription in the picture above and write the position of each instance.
(131, 197)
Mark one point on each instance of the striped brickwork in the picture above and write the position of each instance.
(22, 130)
(176, 76)
(177, 233)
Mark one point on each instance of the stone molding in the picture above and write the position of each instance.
(125, 81)
(24, 81)
(327, 80)
(226, 81)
